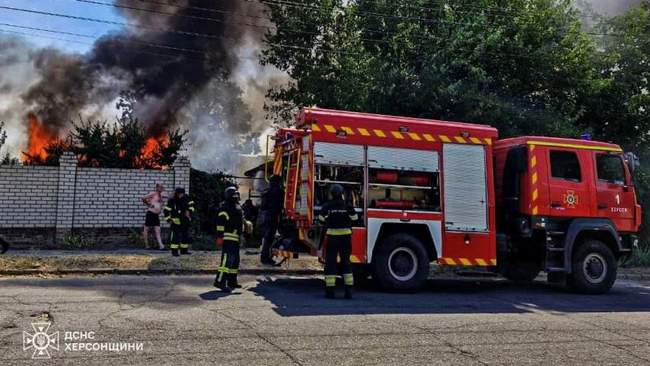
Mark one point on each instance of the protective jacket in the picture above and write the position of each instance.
(230, 222)
(176, 208)
(338, 217)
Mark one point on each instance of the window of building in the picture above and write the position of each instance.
(610, 168)
(565, 165)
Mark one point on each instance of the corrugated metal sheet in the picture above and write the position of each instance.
(465, 187)
(402, 159)
(338, 154)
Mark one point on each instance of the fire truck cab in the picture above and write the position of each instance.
(430, 191)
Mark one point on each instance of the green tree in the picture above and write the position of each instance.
(620, 107)
(522, 66)
(5, 159)
(209, 187)
(122, 145)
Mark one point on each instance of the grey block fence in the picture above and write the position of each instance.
(40, 206)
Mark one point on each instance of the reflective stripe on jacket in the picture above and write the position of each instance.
(338, 217)
(230, 222)
(175, 209)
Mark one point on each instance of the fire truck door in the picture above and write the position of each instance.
(615, 196)
(465, 188)
(568, 182)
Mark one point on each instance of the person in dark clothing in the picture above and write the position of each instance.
(250, 211)
(337, 218)
(230, 225)
(272, 205)
(5, 246)
(178, 212)
(250, 214)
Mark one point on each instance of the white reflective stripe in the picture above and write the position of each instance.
(354, 217)
(224, 214)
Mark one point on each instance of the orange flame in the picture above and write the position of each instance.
(151, 148)
(39, 136)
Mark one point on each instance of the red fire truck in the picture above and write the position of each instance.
(451, 193)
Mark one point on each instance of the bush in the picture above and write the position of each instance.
(76, 241)
(640, 257)
(204, 242)
(207, 191)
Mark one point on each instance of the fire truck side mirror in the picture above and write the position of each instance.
(632, 161)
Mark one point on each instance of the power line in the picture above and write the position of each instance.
(156, 45)
(287, 3)
(160, 12)
(203, 35)
(33, 35)
(176, 31)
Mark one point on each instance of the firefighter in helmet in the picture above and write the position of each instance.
(230, 225)
(337, 217)
(178, 212)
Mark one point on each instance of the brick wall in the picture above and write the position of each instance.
(41, 205)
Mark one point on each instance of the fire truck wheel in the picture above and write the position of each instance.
(401, 264)
(593, 268)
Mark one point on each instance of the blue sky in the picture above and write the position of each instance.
(70, 7)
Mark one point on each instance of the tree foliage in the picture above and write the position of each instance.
(5, 159)
(523, 66)
(210, 188)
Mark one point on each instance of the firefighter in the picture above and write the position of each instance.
(178, 212)
(272, 204)
(337, 217)
(230, 224)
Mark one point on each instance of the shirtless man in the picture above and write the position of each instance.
(154, 202)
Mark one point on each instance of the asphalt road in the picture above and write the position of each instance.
(181, 320)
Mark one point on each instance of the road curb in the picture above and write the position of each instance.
(103, 271)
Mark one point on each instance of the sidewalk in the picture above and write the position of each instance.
(138, 261)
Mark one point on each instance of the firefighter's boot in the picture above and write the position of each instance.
(222, 285)
(330, 284)
(175, 252)
(348, 281)
(185, 251)
(5, 246)
(232, 282)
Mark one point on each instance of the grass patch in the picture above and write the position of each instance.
(196, 261)
(640, 258)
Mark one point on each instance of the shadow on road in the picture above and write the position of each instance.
(216, 295)
(304, 297)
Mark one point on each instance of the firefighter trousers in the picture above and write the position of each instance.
(180, 237)
(338, 246)
(227, 271)
(270, 224)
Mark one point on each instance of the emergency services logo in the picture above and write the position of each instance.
(41, 340)
(571, 199)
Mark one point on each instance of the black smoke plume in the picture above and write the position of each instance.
(166, 57)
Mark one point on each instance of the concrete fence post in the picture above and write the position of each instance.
(181, 169)
(65, 196)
